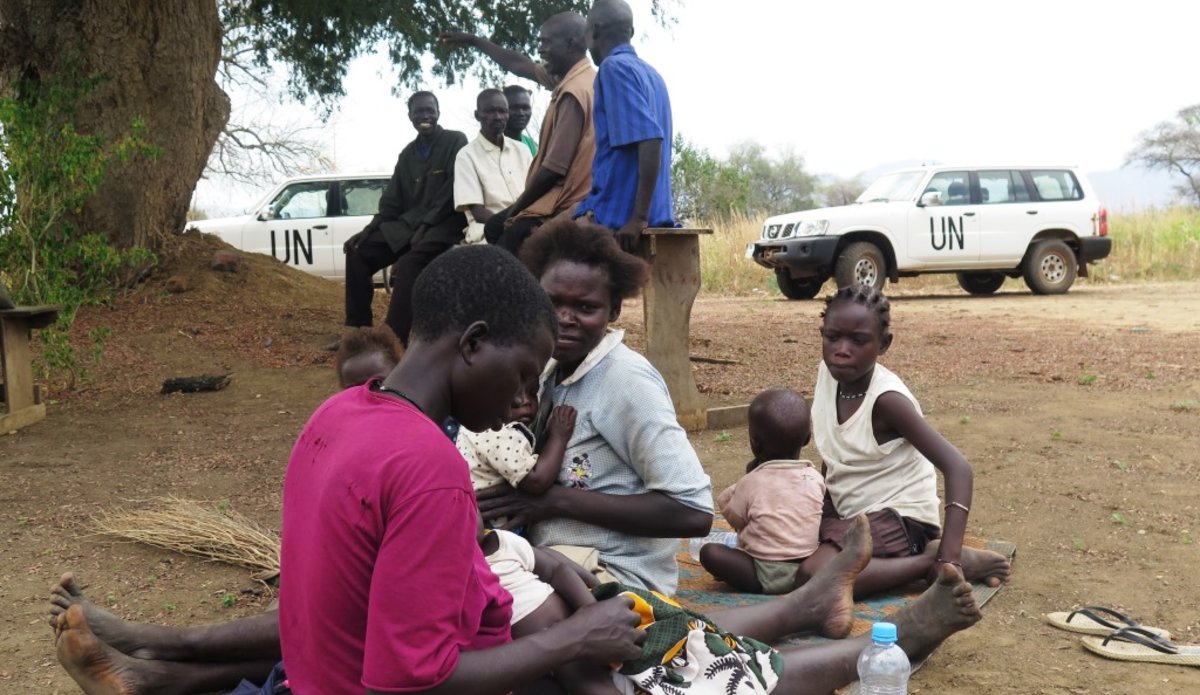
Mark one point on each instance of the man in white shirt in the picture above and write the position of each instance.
(490, 171)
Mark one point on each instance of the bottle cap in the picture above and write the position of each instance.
(883, 632)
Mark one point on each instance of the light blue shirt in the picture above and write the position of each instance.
(627, 441)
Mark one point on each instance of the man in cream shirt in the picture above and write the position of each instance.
(490, 171)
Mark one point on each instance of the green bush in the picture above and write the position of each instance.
(48, 172)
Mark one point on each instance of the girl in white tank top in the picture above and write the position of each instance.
(880, 453)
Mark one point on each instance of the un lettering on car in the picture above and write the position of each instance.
(950, 232)
(293, 246)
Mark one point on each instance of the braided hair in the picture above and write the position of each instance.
(867, 296)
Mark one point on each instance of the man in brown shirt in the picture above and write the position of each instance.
(561, 174)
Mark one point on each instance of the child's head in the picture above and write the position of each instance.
(480, 315)
(855, 331)
(367, 353)
(779, 425)
(525, 405)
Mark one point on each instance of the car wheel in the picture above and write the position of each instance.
(797, 288)
(980, 283)
(861, 263)
(1050, 267)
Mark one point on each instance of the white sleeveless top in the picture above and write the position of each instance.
(861, 475)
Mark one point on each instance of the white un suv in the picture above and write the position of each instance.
(305, 220)
(982, 223)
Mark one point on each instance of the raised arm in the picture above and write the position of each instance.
(898, 413)
(549, 462)
(517, 63)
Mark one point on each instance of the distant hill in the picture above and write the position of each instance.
(1132, 188)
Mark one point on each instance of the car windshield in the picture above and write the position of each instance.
(889, 187)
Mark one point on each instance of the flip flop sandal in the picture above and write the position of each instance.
(1138, 644)
(1091, 620)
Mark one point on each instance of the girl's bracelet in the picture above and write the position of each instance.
(960, 505)
(949, 562)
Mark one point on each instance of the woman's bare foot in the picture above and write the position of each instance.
(122, 635)
(945, 608)
(825, 603)
(984, 566)
(97, 668)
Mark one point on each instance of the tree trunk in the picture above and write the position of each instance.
(160, 61)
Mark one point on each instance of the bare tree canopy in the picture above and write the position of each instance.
(1174, 146)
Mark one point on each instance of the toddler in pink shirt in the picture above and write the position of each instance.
(776, 506)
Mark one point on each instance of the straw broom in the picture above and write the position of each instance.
(190, 527)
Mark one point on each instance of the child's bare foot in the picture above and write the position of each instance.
(97, 668)
(828, 597)
(983, 566)
(946, 607)
(117, 633)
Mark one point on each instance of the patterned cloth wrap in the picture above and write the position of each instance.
(685, 652)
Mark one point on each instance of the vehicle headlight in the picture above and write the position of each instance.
(812, 227)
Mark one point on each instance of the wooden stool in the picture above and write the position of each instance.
(674, 257)
(22, 399)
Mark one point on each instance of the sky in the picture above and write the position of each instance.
(855, 86)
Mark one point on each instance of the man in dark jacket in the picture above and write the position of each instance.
(416, 221)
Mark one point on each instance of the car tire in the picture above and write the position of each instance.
(980, 283)
(797, 288)
(861, 262)
(1050, 267)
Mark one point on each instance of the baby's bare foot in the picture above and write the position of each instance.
(945, 608)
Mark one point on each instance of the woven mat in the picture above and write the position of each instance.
(700, 592)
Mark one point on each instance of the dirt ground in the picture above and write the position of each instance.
(1080, 415)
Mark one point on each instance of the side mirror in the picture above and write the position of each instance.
(265, 214)
(930, 198)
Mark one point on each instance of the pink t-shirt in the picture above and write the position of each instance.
(776, 510)
(382, 582)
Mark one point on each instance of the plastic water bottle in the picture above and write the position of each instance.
(725, 538)
(883, 667)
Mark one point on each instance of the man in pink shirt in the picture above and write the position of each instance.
(776, 506)
(383, 585)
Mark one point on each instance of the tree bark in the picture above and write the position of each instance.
(160, 62)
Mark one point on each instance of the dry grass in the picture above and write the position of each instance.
(194, 528)
(1155, 244)
(1152, 245)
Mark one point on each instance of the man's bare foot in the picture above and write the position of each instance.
(97, 668)
(946, 607)
(116, 632)
(826, 601)
(983, 566)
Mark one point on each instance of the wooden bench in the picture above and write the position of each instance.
(22, 399)
(674, 257)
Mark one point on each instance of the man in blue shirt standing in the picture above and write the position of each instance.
(631, 172)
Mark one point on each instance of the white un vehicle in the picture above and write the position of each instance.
(983, 223)
(305, 220)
